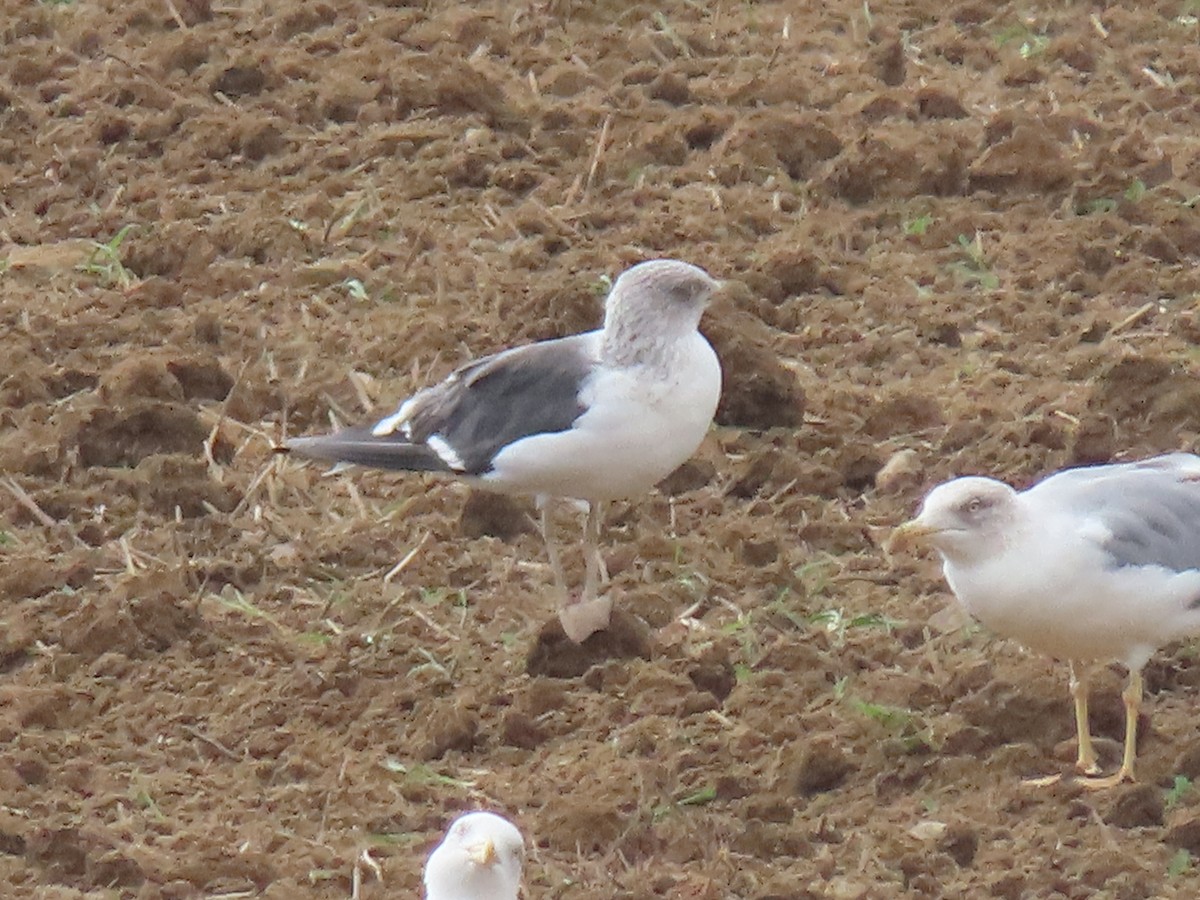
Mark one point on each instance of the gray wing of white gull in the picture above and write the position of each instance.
(1177, 464)
(461, 424)
(1150, 509)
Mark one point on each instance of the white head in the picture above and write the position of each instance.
(964, 519)
(652, 305)
(479, 859)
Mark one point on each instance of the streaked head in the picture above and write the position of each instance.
(666, 287)
(669, 280)
(963, 519)
(480, 858)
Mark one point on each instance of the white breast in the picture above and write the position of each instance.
(640, 425)
(1063, 599)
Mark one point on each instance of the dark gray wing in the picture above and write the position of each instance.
(1151, 509)
(461, 424)
(497, 400)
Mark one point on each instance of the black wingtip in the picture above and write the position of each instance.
(359, 446)
(314, 446)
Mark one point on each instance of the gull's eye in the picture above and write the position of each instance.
(683, 293)
(968, 507)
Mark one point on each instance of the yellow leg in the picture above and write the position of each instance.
(1132, 695)
(1085, 760)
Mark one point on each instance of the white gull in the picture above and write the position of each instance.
(1093, 563)
(479, 859)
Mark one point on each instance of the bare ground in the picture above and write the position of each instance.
(962, 237)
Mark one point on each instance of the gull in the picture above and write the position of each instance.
(592, 417)
(1092, 563)
(479, 859)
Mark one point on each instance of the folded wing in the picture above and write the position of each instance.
(461, 424)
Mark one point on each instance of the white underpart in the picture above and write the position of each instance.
(641, 423)
(1051, 586)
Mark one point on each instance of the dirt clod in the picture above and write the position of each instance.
(446, 726)
(822, 766)
(1136, 806)
(113, 437)
(495, 515)
(961, 842)
(556, 656)
(1184, 832)
(519, 730)
(715, 676)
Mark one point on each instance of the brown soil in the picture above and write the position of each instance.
(962, 237)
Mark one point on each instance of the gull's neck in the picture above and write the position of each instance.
(458, 884)
(641, 337)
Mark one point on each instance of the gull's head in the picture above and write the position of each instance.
(479, 859)
(965, 520)
(661, 295)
